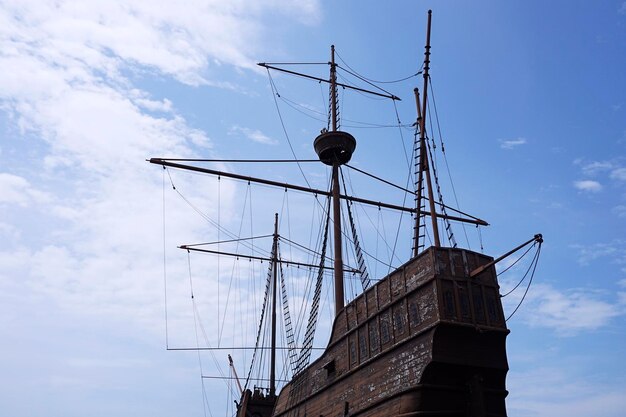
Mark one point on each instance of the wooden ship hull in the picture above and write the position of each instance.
(427, 340)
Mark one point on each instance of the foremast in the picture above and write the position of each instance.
(424, 166)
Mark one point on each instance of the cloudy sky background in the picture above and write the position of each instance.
(532, 101)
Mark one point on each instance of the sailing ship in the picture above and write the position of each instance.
(428, 339)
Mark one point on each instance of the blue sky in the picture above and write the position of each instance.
(531, 97)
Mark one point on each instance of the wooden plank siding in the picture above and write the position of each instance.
(384, 340)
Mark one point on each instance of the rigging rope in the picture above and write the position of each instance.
(263, 308)
(354, 74)
(408, 180)
(445, 157)
(448, 225)
(167, 339)
(365, 276)
(525, 274)
(533, 265)
(375, 81)
(248, 196)
(305, 353)
(206, 217)
(197, 320)
(274, 95)
(291, 341)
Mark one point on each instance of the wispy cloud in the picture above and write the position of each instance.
(512, 143)
(619, 174)
(567, 313)
(588, 186)
(619, 210)
(614, 168)
(253, 134)
(17, 190)
(69, 90)
(595, 167)
(589, 253)
(561, 391)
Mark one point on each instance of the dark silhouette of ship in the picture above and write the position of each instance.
(429, 339)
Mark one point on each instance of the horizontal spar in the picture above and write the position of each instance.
(167, 163)
(323, 80)
(262, 258)
(239, 348)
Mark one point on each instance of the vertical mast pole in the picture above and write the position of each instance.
(425, 163)
(419, 173)
(338, 266)
(274, 289)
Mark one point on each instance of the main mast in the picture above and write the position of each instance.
(335, 148)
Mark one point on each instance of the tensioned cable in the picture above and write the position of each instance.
(408, 180)
(300, 108)
(375, 81)
(261, 321)
(296, 108)
(165, 267)
(516, 261)
(282, 122)
(446, 222)
(445, 157)
(407, 190)
(297, 63)
(229, 241)
(360, 77)
(365, 276)
(273, 161)
(288, 325)
(349, 83)
(529, 282)
(378, 234)
(525, 274)
(198, 323)
(232, 273)
(305, 353)
(202, 214)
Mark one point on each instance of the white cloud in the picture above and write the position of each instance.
(619, 174)
(72, 91)
(567, 312)
(613, 168)
(68, 84)
(253, 134)
(17, 190)
(179, 38)
(9, 231)
(558, 391)
(588, 253)
(619, 210)
(588, 186)
(512, 143)
(593, 168)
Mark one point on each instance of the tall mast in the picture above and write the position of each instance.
(274, 289)
(423, 149)
(335, 148)
(336, 201)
